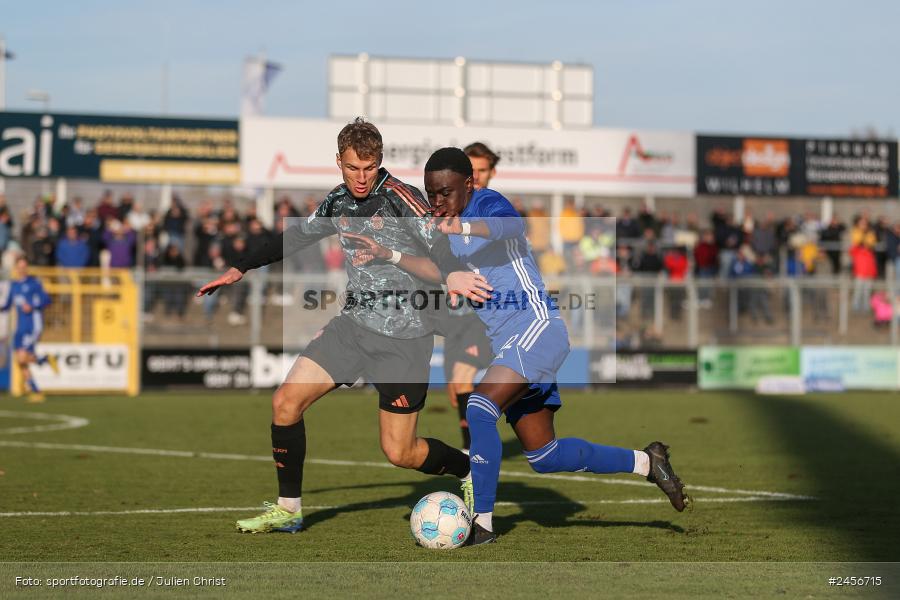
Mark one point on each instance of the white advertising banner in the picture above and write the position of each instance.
(83, 367)
(300, 153)
(856, 367)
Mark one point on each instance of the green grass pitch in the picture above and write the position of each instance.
(776, 481)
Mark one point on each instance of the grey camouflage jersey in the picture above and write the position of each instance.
(396, 216)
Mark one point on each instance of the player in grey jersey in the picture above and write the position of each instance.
(387, 342)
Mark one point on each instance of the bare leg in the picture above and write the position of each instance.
(535, 430)
(398, 439)
(405, 449)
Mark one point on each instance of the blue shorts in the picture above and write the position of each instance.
(534, 349)
(25, 340)
(539, 396)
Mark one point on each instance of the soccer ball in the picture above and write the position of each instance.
(440, 520)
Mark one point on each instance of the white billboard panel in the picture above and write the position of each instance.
(84, 367)
(461, 91)
(300, 154)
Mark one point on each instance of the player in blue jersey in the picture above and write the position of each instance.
(467, 349)
(530, 343)
(529, 339)
(27, 295)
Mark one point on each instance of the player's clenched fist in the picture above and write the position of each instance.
(230, 276)
(446, 225)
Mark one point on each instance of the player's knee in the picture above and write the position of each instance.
(399, 456)
(286, 407)
(544, 460)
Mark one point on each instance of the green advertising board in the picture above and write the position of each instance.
(741, 367)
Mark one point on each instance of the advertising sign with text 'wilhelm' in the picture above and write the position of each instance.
(755, 166)
(743, 166)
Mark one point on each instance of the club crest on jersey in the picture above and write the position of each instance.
(377, 222)
(344, 223)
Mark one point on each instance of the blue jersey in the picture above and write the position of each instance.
(522, 320)
(505, 260)
(27, 291)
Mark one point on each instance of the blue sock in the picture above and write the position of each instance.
(574, 454)
(485, 451)
(32, 384)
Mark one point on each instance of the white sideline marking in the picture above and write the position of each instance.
(699, 488)
(67, 422)
(211, 509)
(758, 494)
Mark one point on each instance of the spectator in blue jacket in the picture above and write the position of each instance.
(72, 251)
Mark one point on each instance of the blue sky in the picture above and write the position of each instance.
(793, 67)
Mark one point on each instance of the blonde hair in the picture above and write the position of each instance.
(363, 137)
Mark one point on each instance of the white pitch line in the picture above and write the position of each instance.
(699, 488)
(67, 422)
(384, 465)
(143, 511)
(213, 509)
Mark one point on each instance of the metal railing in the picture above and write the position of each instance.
(643, 309)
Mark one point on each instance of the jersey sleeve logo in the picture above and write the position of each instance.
(415, 203)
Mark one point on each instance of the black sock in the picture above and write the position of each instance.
(443, 459)
(289, 452)
(462, 400)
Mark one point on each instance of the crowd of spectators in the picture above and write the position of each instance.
(120, 233)
(643, 242)
(756, 247)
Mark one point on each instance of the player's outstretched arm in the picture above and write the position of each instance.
(293, 239)
(493, 228)
(456, 226)
(368, 250)
(497, 220)
(473, 286)
(230, 276)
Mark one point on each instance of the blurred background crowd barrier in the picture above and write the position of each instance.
(684, 239)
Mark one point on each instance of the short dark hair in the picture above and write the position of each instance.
(480, 150)
(450, 158)
(363, 137)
